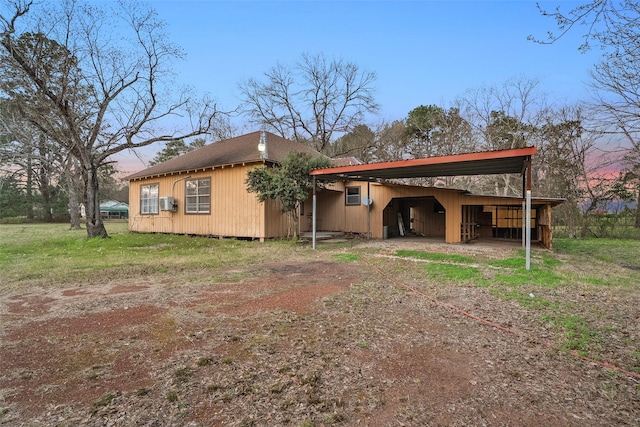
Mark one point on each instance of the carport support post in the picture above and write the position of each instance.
(528, 215)
(313, 220)
(524, 222)
(369, 210)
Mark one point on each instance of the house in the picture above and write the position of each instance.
(109, 209)
(113, 209)
(204, 192)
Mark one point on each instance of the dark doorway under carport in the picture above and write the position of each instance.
(421, 216)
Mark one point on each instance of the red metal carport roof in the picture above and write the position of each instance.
(480, 163)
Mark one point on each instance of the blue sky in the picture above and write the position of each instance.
(424, 52)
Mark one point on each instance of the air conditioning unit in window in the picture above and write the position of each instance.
(168, 204)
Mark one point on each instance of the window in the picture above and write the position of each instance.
(352, 196)
(149, 199)
(198, 196)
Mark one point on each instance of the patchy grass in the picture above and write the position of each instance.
(346, 257)
(615, 251)
(46, 253)
(541, 289)
(459, 274)
(578, 334)
(579, 298)
(435, 256)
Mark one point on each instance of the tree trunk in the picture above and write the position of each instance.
(637, 224)
(43, 180)
(95, 226)
(72, 181)
(47, 213)
(74, 204)
(584, 229)
(29, 186)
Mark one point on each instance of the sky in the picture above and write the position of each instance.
(423, 52)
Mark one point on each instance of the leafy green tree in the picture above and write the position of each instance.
(32, 156)
(502, 117)
(289, 183)
(435, 131)
(571, 166)
(506, 132)
(422, 123)
(13, 200)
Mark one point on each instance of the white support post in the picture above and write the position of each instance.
(528, 232)
(527, 229)
(524, 222)
(368, 210)
(313, 219)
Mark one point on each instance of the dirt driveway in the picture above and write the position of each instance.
(303, 343)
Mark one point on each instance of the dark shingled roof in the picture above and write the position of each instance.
(242, 149)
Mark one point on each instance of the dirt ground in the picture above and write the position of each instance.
(309, 341)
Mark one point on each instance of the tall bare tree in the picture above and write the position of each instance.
(503, 117)
(312, 100)
(358, 143)
(614, 27)
(103, 77)
(392, 141)
(571, 165)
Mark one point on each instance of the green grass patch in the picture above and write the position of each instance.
(520, 277)
(435, 256)
(616, 251)
(577, 334)
(527, 299)
(540, 260)
(52, 253)
(454, 273)
(346, 257)
(514, 273)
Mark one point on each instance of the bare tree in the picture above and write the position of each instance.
(613, 26)
(101, 93)
(358, 143)
(573, 166)
(505, 117)
(312, 100)
(392, 140)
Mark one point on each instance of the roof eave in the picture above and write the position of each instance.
(134, 177)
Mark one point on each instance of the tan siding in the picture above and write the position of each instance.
(545, 234)
(234, 211)
(427, 222)
(237, 213)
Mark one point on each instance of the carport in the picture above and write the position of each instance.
(512, 161)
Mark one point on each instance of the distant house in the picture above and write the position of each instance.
(112, 209)
(203, 192)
